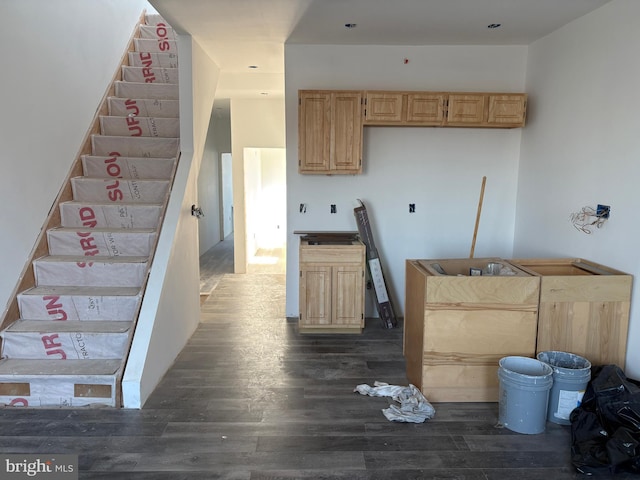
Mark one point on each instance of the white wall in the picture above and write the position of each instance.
(438, 169)
(59, 57)
(170, 311)
(227, 194)
(254, 124)
(582, 144)
(209, 191)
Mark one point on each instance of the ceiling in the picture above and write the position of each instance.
(239, 33)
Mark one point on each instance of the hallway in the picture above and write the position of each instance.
(251, 399)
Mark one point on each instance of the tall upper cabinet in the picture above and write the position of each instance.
(330, 132)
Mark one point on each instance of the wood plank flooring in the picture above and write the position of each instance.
(251, 399)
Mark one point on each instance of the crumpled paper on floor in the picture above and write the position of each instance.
(413, 408)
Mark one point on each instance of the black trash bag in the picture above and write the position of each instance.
(605, 428)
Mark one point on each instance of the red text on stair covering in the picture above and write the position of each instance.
(54, 308)
(53, 346)
(146, 59)
(132, 108)
(113, 189)
(134, 126)
(88, 219)
(148, 74)
(161, 32)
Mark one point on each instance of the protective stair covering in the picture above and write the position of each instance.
(76, 324)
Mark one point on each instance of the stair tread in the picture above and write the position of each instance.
(28, 367)
(139, 139)
(157, 86)
(150, 159)
(94, 259)
(141, 117)
(103, 230)
(82, 291)
(93, 326)
(107, 204)
(110, 179)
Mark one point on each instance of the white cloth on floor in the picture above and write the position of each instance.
(413, 408)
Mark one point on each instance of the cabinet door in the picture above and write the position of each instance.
(315, 295)
(507, 110)
(466, 110)
(348, 298)
(314, 131)
(346, 132)
(425, 109)
(383, 107)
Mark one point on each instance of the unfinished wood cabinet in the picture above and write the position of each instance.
(383, 108)
(584, 308)
(330, 132)
(404, 108)
(486, 110)
(331, 286)
(457, 327)
(425, 109)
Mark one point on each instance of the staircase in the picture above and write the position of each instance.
(76, 322)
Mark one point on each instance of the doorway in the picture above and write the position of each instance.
(265, 209)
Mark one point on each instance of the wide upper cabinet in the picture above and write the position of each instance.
(486, 110)
(330, 132)
(404, 108)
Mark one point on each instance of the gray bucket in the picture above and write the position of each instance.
(524, 394)
(571, 375)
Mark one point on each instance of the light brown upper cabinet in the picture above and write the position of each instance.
(330, 122)
(330, 132)
(486, 110)
(404, 108)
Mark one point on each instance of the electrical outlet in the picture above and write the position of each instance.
(603, 211)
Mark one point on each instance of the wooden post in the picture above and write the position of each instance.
(475, 230)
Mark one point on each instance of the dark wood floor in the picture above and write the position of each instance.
(251, 399)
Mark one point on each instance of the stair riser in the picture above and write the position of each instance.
(66, 391)
(108, 244)
(134, 146)
(140, 126)
(159, 31)
(78, 307)
(150, 75)
(109, 216)
(89, 273)
(119, 190)
(133, 168)
(64, 345)
(155, 45)
(122, 107)
(160, 91)
(154, 60)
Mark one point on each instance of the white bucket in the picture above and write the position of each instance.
(571, 375)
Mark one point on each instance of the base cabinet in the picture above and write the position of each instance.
(457, 326)
(584, 308)
(331, 287)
